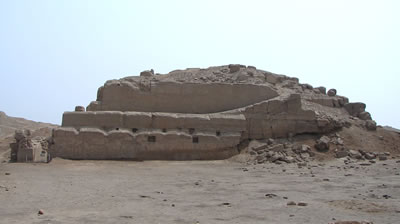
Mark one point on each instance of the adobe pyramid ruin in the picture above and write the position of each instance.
(200, 114)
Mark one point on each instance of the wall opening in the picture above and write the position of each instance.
(195, 139)
(191, 130)
(218, 133)
(151, 138)
(117, 129)
(164, 130)
(134, 130)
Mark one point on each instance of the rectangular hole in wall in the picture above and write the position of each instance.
(134, 130)
(151, 138)
(195, 139)
(164, 130)
(218, 133)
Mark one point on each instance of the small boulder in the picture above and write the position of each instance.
(270, 141)
(332, 92)
(339, 141)
(354, 154)
(369, 155)
(260, 147)
(322, 144)
(289, 159)
(276, 148)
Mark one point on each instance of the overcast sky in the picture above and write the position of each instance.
(55, 54)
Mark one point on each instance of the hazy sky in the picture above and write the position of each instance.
(55, 54)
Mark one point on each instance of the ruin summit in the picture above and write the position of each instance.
(198, 114)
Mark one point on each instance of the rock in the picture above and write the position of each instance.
(289, 159)
(305, 148)
(260, 147)
(271, 195)
(354, 154)
(339, 141)
(79, 109)
(260, 159)
(40, 212)
(275, 157)
(233, 68)
(370, 125)
(276, 148)
(322, 144)
(270, 141)
(369, 156)
(270, 154)
(365, 116)
(291, 203)
(332, 92)
(302, 204)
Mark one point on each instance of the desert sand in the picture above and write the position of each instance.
(199, 192)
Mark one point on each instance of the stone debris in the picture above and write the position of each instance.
(322, 144)
(277, 153)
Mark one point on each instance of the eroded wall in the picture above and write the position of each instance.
(93, 143)
(282, 118)
(197, 98)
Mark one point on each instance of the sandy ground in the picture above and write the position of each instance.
(198, 192)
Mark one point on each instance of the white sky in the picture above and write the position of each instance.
(55, 54)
